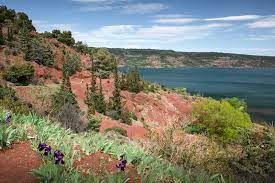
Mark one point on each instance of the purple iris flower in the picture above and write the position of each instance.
(122, 165)
(8, 119)
(59, 157)
(47, 150)
(42, 146)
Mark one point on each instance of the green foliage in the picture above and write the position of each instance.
(194, 128)
(81, 48)
(71, 65)
(115, 103)
(19, 73)
(10, 34)
(17, 20)
(237, 103)
(181, 91)
(2, 39)
(36, 51)
(104, 62)
(132, 81)
(133, 115)
(125, 117)
(94, 123)
(9, 101)
(118, 130)
(7, 135)
(100, 103)
(257, 163)
(64, 96)
(66, 38)
(120, 177)
(220, 119)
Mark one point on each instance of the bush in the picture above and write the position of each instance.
(220, 119)
(133, 115)
(94, 123)
(19, 73)
(125, 117)
(71, 65)
(237, 103)
(66, 38)
(114, 115)
(118, 130)
(70, 118)
(257, 163)
(181, 91)
(9, 101)
(36, 51)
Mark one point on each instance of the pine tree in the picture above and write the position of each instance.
(116, 100)
(91, 93)
(134, 82)
(10, 34)
(2, 40)
(65, 95)
(100, 101)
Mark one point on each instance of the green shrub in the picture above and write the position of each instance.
(220, 119)
(36, 51)
(133, 115)
(66, 38)
(125, 117)
(257, 163)
(118, 130)
(9, 101)
(19, 73)
(237, 103)
(114, 115)
(94, 123)
(71, 65)
(182, 91)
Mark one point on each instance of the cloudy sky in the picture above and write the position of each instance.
(239, 26)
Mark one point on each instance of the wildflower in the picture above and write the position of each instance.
(58, 157)
(8, 118)
(122, 164)
(47, 150)
(42, 146)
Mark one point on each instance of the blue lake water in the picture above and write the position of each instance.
(255, 86)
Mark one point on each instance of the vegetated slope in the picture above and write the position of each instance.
(170, 58)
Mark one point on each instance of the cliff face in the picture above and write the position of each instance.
(169, 58)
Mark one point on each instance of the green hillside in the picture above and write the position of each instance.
(170, 58)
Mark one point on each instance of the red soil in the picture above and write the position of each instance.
(99, 163)
(17, 162)
(156, 109)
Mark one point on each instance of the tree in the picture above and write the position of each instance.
(100, 101)
(71, 65)
(104, 63)
(91, 93)
(134, 82)
(2, 40)
(116, 99)
(10, 34)
(64, 96)
(66, 38)
(19, 73)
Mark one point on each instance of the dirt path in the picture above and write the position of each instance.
(17, 162)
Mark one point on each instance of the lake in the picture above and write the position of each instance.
(255, 86)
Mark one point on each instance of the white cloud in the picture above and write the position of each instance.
(97, 8)
(143, 8)
(169, 16)
(235, 18)
(42, 26)
(261, 37)
(175, 20)
(147, 37)
(99, 1)
(268, 22)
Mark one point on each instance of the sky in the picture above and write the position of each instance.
(233, 26)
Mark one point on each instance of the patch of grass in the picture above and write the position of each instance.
(118, 130)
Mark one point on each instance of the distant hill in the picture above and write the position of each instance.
(169, 58)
